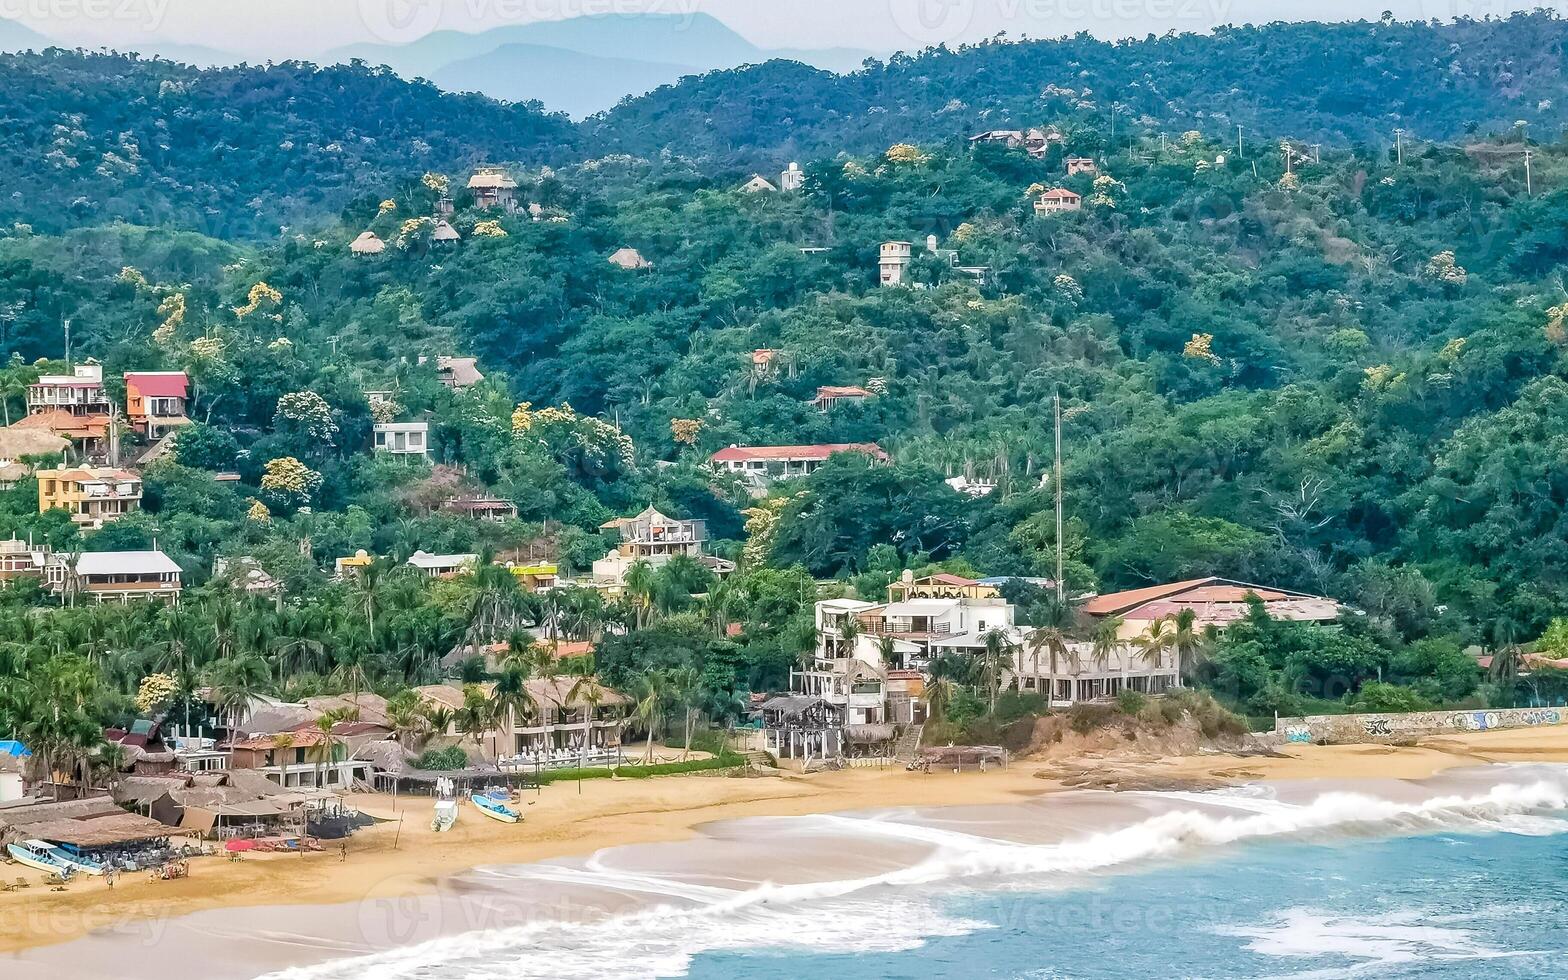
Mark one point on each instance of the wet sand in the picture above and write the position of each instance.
(403, 885)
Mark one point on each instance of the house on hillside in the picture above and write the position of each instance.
(893, 265)
(403, 438)
(1214, 601)
(654, 539)
(1081, 165)
(758, 184)
(155, 402)
(792, 179)
(443, 566)
(455, 373)
(831, 396)
(20, 559)
(491, 510)
(492, 187)
(1058, 199)
(763, 464)
(114, 576)
(74, 406)
(93, 496)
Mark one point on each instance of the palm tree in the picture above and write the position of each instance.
(945, 673)
(1156, 644)
(650, 704)
(235, 684)
(638, 585)
(588, 690)
(998, 658)
(685, 690)
(406, 715)
(511, 698)
(1051, 642)
(1105, 642)
(848, 632)
(1189, 644)
(326, 752)
(476, 716)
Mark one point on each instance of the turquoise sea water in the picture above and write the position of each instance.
(1441, 905)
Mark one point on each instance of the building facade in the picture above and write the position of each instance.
(93, 496)
(155, 401)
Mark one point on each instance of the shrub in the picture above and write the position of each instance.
(1131, 702)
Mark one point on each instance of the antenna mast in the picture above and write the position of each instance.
(1061, 587)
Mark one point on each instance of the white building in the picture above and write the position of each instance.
(115, 576)
(443, 566)
(792, 179)
(893, 265)
(654, 539)
(403, 438)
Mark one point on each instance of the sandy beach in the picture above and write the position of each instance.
(406, 859)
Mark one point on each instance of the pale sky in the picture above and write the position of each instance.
(300, 28)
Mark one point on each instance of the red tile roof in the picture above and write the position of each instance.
(64, 423)
(157, 384)
(836, 391)
(1059, 194)
(823, 451)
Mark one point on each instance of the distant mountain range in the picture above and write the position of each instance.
(579, 66)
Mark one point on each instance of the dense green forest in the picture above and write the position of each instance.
(1337, 369)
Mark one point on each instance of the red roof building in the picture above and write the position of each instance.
(831, 395)
(155, 401)
(1214, 602)
(777, 462)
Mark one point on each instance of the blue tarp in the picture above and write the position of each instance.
(13, 747)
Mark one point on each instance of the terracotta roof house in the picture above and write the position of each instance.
(1214, 602)
(1058, 199)
(776, 462)
(155, 401)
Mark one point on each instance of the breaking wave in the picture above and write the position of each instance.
(686, 918)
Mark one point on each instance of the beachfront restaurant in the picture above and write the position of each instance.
(122, 840)
(800, 726)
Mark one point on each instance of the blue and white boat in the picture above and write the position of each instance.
(496, 809)
(44, 856)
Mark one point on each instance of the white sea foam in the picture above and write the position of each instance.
(1363, 944)
(687, 918)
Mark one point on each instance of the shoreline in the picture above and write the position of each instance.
(389, 860)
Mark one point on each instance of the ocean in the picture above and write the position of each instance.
(1459, 875)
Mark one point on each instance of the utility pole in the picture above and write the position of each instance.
(67, 343)
(1317, 156)
(333, 340)
(1528, 187)
(1061, 586)
(1238, 141)
(1399, 146)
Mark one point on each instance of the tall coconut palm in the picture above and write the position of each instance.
(476, 716)
(685, 689)
(1048, 643)
(406, 716)
(638, 585)
(651, 693)
(235, 683)
(512, 698)
(999, 648)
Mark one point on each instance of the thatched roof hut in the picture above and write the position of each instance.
(368, 244)
(629, 258)
(19, 441)
(445, 232)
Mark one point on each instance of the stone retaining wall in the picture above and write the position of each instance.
(1348, 729)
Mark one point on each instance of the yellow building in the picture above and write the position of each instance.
(536, 577)
(94, 496)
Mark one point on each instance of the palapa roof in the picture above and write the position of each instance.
(368, 243)
(21, 815)
(444, 232)
(18, 440)
(102, 831)
(629, 258)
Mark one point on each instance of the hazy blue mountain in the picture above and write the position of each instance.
(15, 36)
(565, 81)
(615, 54)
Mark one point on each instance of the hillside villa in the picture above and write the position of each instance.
(443, 566)
(155, 402)
(1214, 601)
(653, 538)
(763, 464)
(114, 576)
(411, 439)
(1058, 199)
(831, 396)
(492, 187)
(93, 496)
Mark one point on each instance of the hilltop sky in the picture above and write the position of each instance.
(301, 28)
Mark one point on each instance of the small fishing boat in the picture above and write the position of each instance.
(44, 856)
(496, 809)
(445, 817)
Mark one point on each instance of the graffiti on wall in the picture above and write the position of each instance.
(1331, 729)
